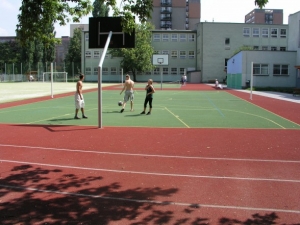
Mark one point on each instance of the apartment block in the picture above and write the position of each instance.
(265, 16)
(176, 14)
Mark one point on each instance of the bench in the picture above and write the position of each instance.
(296, 91)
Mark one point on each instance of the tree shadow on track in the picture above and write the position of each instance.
(257, 219)
(33, 195)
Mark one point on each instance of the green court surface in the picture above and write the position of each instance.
(171, 108)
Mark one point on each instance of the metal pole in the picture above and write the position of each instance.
(100, 80)
(251, 81)
(122, 76)
(161, 77)
(73, 71)
(51, 80)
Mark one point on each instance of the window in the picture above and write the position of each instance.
(165, 70)
(156, 52)
(95, 70)
(165, 37)
(227, 41)
(265, 32)
(87, 37)
(156, 71)
(264, 48)
(226, 61)
(273, 48)
(246, 32)
(182, 37)
(104, 71)
(182, 54)
(174, 54)
(174, 71)
(191, 37)
(113, 71)
(181, 70)
(174, 37)
(274, 32)
(255, 47)
(156, 37)
(96, 54)
(283, 33)
(260, 69)
(283, 49)
(191, 54)
(165, 52)
(280, 69)
(88, 71)
(88, 54)
(255, 32)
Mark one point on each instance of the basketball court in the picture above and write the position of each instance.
(158, 171)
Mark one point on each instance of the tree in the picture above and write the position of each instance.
(100, 9)
(10, 53)
(73, 57)
(261, 3)
(137, 59)
(37, 14)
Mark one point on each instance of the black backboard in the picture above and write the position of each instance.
(99, 28)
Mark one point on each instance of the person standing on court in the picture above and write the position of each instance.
(149, 96)
(79, 100)
(184, 79)
(128, 88)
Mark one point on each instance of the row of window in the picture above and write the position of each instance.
(272, 48)
(264, 32)
(174, 54)
(114, 71)
(263, 69)
(174, 37)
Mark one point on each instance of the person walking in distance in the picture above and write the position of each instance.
(79, 100)
(128, 88)
(149, 96)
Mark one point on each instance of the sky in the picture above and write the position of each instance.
(231, 11)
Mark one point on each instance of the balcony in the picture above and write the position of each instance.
(166, 4)
(166, 18)
(166, 11)
(166, 26)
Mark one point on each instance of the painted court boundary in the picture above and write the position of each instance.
(194, 205)
(149, 155)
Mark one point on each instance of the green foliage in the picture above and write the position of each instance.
(38, 14)
(137, 59)
(100, 9)
(73, 57)
(243, 48)
(10, 53)
(261, 3)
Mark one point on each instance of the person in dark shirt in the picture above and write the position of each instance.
(149, 96)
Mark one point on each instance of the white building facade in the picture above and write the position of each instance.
(204, 53)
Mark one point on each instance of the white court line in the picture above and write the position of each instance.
(151, 201)
(150, 173)
(149, 155)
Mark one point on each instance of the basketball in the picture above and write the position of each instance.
(120, 103)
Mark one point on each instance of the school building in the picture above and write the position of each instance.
(211, 51)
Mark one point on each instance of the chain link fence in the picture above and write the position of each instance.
(24, 72)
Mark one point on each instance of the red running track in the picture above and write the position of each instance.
(84, 175)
